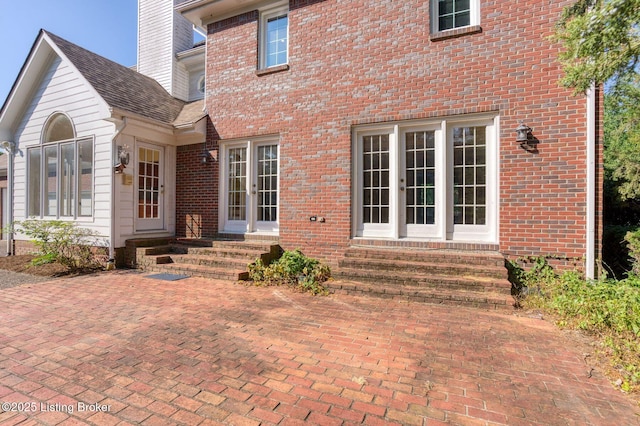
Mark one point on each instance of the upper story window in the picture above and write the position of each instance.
(201, 86)
(60, 172)
(451, 14)
(58, 128)
(274, 37)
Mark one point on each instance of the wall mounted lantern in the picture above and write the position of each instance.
(123, 158)
(525, 138)
(205, 155)
(522, 133)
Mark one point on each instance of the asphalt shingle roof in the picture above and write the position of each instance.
(122, 87)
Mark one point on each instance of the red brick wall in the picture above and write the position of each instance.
(197, 189)
(373, 61)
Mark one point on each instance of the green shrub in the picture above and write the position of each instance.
(633, 241)
(605, 308)
(293, 269)
(63, 242)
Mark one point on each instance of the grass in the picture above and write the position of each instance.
(607, 309)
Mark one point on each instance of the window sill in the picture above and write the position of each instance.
(272, 70)
(456, 32)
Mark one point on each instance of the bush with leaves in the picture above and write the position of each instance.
(293, 269)
(606, 308)
(63, 242)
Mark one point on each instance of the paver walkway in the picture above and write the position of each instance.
(197, 351)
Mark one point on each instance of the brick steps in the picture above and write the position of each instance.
(218, 259)
(456, 297)
(426, 267)
(219, 273)
(465, 278)
(483, 258)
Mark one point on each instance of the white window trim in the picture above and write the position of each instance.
(43, 196)
(282, 8)
(473, 20)
(444, 230)
(250, 225)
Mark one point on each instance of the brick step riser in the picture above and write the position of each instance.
(229, 253)
(425, 268)
(501, 286)
(426, 257)
(230, 244)
(480, 303)
(220, 275)
(213, 262)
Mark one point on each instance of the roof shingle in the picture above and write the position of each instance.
(122, 87)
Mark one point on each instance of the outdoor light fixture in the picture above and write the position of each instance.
(522, 133)
(205, 154)
(8, 146)
(123, 155)
(123, 159)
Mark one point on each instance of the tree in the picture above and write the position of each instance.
(601, 40)
(622, 138)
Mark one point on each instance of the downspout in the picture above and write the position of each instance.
(10, 149)
(111, 264)
(591, 183)
(10, 200)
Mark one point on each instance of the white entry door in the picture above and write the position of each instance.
(433, 181)
(250, 183)
(150, 187)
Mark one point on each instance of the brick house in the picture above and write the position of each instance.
(394, 124)
(327, 124)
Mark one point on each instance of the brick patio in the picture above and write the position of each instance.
(198, 351)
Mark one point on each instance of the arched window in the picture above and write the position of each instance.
(60, 171)
(58, 128)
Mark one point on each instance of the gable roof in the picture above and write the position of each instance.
(120, 86)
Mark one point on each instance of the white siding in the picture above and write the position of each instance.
(62, 89)
(126, 200)
(161, 34)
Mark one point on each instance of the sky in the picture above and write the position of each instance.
(106, 27)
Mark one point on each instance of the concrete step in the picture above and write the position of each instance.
(426, 267)
(455, 297)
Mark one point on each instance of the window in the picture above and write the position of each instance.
(274, 37)
(201, 86)
(431, 179)
(60, 182)
(451, 14)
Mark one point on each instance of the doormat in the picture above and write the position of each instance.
(167, 277)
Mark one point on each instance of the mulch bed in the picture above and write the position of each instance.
(22, 263)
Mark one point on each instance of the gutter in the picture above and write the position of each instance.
(591, 183)
(112, 237)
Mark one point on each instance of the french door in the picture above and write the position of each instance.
(150, 187)
(250, 181)
(429, 181)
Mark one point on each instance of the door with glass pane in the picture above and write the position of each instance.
(420, 184)
(251, 185)
(472, 183)
(265, 188)
(150, 188)
(433, 181)
(375, 152)
(236, 218)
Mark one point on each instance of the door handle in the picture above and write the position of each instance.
(253, 192)
(402, 188)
